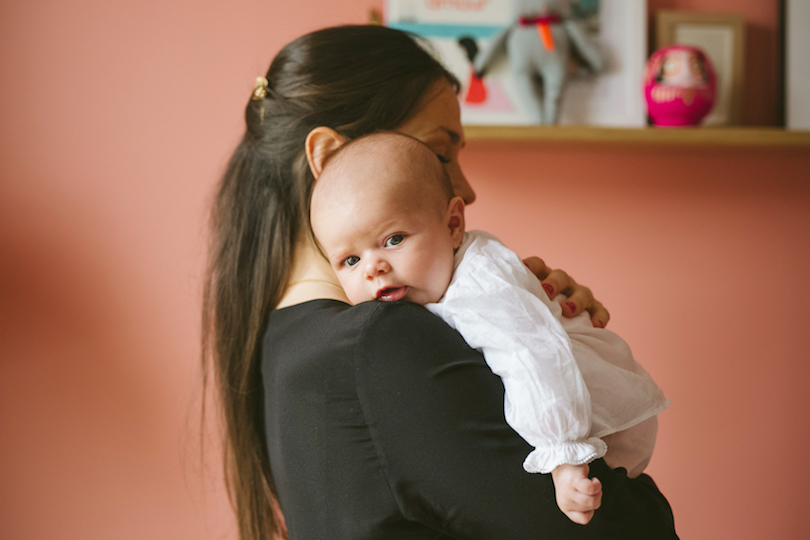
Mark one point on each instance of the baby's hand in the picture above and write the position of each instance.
(577, 495)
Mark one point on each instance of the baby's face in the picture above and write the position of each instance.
(386, 246)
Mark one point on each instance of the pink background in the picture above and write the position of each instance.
(117, 118)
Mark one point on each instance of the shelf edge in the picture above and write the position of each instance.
(738, 136)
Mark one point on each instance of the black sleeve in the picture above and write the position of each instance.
(435, 412)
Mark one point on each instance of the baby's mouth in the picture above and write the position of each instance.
(392, 294)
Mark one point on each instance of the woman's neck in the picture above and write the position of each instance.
(311, 278)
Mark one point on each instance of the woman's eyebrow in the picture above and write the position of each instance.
(454, 136)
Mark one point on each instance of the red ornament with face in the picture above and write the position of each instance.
(679, 85)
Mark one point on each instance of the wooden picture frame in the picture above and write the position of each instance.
(722, 37)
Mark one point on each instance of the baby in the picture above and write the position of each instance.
(385, 216)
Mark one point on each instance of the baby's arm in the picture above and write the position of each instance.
(577, 495)
(494, 303)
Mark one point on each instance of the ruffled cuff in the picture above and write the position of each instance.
(546, 458)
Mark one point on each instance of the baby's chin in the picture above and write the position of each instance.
(423, 298)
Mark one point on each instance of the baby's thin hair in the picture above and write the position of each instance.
(444, 178)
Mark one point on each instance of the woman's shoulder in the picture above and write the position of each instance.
(332, 323)
(406, 326)
(403, 345)
(330, 332)
(339, 316)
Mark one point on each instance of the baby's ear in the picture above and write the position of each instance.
(455, 220)
(320, 144)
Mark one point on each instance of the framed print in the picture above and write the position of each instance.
(457, 30)
(722, 37)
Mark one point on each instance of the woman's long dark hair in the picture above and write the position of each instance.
(356, 80)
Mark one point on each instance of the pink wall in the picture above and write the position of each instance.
(118, 117)
(702, 258)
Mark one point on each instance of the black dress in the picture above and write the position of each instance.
(383, 424)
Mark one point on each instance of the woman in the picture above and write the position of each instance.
(377, 421)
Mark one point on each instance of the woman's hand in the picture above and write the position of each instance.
(580, 298)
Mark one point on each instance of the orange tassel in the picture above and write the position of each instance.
(545, 36)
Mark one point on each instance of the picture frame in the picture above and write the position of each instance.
(722, 37)
(796, 17)
(611, 98)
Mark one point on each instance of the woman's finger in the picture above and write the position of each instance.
(537, 266)
(599, 315)
(580, 298)
(557, 281)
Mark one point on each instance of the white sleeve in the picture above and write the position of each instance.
(622, 393)
(499, 307)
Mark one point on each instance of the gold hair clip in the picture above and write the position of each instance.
(260, 88)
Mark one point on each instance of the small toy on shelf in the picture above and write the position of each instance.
(538, 44)
(679, 86)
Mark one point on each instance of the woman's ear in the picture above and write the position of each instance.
(320, 144)
(455, 220)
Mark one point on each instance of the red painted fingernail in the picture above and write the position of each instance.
(571, 306)
(549, 289)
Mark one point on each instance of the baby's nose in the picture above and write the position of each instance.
(376, 268)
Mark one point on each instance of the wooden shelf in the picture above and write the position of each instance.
(704, 136)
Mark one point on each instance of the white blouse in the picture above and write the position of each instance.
(566, 383)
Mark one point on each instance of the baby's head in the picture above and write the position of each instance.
(384, 213)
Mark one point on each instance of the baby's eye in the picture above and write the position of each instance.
(351, 261)
(443, 159)
(394, 240)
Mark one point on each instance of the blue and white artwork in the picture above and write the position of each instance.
(456, 30)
